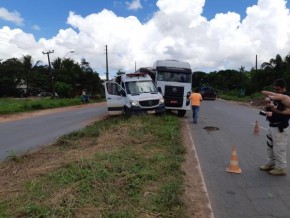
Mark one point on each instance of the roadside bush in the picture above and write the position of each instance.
(63, 89)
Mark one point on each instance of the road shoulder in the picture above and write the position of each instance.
(196, 197)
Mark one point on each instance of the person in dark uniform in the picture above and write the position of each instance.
(277, 136)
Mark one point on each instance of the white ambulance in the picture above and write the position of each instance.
(132, 94)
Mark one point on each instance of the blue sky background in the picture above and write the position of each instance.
(201, 32)
(51, 15)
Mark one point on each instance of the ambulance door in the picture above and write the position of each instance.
(116, 98)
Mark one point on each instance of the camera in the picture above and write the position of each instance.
(263, 113)
(266, 109)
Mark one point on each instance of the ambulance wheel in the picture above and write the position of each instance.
(181, 113)
(126, 111)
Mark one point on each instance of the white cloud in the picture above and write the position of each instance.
(134, 5)
(176, 31)
(36, 27)
(16, 43)
(13, 17)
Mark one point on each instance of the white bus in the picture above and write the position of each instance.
(173, 80)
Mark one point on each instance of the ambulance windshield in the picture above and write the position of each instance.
(139, 87)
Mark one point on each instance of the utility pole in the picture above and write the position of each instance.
(256, 63)
(107, 68)
(50, 73)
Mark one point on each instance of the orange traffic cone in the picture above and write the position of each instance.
(257, 128)
(234, 165)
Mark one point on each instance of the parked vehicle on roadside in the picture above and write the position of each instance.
(133, 93)
(173, 80)
(46, 94)
(208, 93)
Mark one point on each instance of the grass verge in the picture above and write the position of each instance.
(245, 99)
(12, 105)
(114, 168)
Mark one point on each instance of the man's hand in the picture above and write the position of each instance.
(269, 113)
(270, 105)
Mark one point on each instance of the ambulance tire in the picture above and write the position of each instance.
(126, 111)
(181, 113)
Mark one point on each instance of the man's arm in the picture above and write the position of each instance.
(285, 99)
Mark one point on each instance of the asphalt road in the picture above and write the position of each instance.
(30, 132)
(253, 193)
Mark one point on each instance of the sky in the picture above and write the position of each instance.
(211, 35)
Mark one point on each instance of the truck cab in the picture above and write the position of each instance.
(174, 80)
(133, 93)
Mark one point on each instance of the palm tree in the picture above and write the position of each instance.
(28, 70)
(242, 69)
(275, 66)
(287, 62)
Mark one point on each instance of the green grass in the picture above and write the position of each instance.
(12, 105)
(136, 174)
(247, 98)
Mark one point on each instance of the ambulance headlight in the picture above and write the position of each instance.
(161, 100)
(134, 103)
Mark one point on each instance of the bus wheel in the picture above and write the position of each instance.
(181, 113)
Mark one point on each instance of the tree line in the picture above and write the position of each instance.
(22, 77)
(251, 81)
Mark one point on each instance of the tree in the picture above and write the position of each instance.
(29, 73)
(275, 67)
(63, 89)
(69, 76)
(198, 78)
(242, 69)
(10, 77)
(90, 79)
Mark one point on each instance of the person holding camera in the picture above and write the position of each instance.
(277, 136)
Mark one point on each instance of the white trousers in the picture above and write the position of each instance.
(277, 143)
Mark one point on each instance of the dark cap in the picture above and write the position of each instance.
(280, 83)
